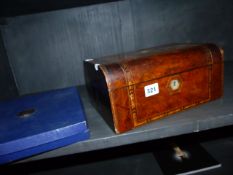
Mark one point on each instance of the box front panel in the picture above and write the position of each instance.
(160, 97)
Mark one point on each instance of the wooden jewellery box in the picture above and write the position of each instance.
(133, 89)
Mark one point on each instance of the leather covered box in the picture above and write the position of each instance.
(41, 122)
(135, 88)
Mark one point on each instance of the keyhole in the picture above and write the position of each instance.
(26, 113)
(174, 84)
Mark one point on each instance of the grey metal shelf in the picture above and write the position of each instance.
(211, 115)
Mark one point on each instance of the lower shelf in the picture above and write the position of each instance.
(136, 159)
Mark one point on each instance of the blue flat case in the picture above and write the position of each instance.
(41, 122)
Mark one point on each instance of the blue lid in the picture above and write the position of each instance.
(40, 119)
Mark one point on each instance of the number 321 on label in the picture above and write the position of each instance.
(151, 89)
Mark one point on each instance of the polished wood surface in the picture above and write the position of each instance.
(186, 74)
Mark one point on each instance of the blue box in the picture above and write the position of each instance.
(41, 122)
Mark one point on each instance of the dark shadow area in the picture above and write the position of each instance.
(8, 87)
(98, 93)
(21, 7)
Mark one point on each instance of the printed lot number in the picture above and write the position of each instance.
(152, 89)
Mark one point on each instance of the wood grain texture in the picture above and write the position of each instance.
(46, 50)
(197, 68)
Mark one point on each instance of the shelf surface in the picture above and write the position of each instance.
(207, 116)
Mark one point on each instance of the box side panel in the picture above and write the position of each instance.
(112, 103)
(119, 97)
(122, 109)
(98, 92)
(44, 147)
(217, 71)
(217, 81)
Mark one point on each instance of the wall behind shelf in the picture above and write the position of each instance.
(46, 50)
(8, 87)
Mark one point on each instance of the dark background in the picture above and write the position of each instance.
(45, 50)
(7, 84)
(43, 44)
